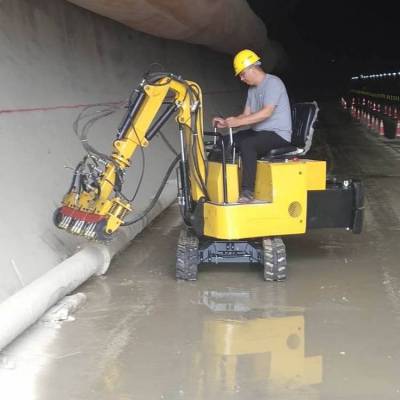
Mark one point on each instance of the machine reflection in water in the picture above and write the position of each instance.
(253, 355)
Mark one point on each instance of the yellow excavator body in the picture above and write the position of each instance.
(291, 194)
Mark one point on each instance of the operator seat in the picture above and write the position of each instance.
(304, 116)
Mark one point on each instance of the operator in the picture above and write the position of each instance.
(266, 114)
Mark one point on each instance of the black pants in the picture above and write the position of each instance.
(253, 144)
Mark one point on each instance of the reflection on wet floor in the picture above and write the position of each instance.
(331, 331)
(262, 355)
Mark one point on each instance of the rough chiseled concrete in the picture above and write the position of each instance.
(329, 332)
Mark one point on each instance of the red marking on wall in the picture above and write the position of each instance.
(75, 106)
(62, 107)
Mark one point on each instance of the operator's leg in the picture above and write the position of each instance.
(237, 138)
(252, 145)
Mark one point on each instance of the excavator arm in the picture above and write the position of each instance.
(94, 206)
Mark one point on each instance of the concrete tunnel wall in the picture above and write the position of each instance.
(55, 57)
(224, 25)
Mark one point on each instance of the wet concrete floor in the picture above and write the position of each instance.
(331, 331)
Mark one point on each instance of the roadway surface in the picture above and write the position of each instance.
(331, 331)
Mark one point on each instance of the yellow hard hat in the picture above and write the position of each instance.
(244, 59)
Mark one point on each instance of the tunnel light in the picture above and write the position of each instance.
(376, 76)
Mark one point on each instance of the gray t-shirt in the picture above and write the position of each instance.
(271, 91)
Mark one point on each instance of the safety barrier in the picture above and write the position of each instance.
(379, 114)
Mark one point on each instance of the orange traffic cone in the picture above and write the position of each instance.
(376, 125)
(395, 113)
(381, 128)
(398, 128)
(372, 127)
(369, 121)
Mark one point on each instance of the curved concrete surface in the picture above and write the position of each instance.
(329, 332)
(56, 57)
(223, 25)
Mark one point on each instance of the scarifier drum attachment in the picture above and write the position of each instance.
(89, 225)
(93, 207)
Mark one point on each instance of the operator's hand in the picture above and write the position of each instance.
(232, 122)
(219, 122)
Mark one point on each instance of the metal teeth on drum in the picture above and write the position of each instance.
(80, 227)
(65, 222)
(87, 230)
(75, 226)
(62, 223)
(92, 230)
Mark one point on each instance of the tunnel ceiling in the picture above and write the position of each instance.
(339, 37)
(222, 25)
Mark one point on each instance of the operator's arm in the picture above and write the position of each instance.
(250, 118)
(246, 112)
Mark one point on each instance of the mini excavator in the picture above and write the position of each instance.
(292, 192)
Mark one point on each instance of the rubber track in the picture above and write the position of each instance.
(274, 252)
(187, 256)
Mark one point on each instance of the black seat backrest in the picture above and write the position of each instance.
(303, 117)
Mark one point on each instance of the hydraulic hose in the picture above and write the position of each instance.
(92, 118)
(141, 215)
(133, 104)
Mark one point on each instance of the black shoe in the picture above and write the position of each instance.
(246, 196)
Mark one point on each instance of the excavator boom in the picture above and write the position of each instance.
(94, 206)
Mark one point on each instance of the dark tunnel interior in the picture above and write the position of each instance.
(327, 43)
